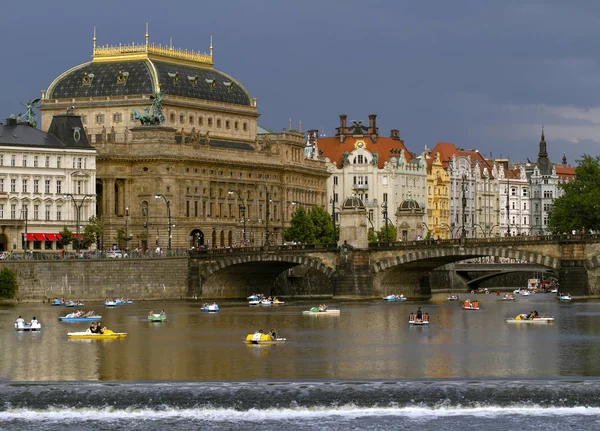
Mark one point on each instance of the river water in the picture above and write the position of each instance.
(364, 369)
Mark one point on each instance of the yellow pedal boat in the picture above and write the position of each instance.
(263, 339)
(106, 335)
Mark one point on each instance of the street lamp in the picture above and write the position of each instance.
(146, 212)
(243, 209)
(508, 205)
(332, 202)
(481, 228)
(268, 214)
(463, 234)
(126, 229)
(77, 214)
(168, 203)
(24, 214)
(384, 205)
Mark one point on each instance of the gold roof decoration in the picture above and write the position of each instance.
(135, 51)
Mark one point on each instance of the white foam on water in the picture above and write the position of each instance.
(207, 414)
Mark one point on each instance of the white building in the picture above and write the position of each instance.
(46, 179)
(379, 170)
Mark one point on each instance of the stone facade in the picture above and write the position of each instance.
(96, 280)
(207, 147)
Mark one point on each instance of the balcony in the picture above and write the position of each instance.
(360, 186)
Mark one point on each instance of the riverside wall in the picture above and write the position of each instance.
(97, 279)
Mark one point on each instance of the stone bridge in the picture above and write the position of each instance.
(386, 268)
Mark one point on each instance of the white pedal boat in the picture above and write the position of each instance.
(28, 326)
(321, 313)
(522, 318)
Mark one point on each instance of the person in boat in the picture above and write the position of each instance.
(467, 303)
(531, 315)
(536, 315)
(162, 313)
(426, 317)
(20, 321)
(150, 313)
(99, 328)
(93, 328)
(419, 314)
(273, 334)
(34, 321)
(411, 317)
(476, 304)
(323, 307)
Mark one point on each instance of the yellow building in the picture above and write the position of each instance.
(207, 175)
(438, 205)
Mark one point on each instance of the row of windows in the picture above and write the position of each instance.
(77, 162)
(118, 117)
(37, 212)
(25, 183)
(231, 174)
(209, 122)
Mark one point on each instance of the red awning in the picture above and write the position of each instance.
(39, 237)
(29, 236)
(50, 236)
(58, 237)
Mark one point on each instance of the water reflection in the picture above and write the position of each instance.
(370, 339)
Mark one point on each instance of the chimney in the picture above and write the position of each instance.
(395, 134)
(11, 121)
(372, 127)
(343, 129)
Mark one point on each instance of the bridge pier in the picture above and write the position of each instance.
(573, 277)
(353, 277)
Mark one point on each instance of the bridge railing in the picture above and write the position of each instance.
(263, 249)
(519, 239)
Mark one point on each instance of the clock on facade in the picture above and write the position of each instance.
(359, 144)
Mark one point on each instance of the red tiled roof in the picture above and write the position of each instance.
(333, 148)
(447, 150)
(565, 173)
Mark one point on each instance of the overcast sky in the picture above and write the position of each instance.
(484, 74)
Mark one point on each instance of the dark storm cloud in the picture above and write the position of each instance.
(481, 74)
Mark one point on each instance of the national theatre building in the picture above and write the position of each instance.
(181, 160)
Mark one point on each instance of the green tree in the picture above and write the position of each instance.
(67, 237)
(391, 236)
(93, 232)
(301, 228)
(579, 206)
(372, 235)
(323, 224)
(121, 238)
(8, 284)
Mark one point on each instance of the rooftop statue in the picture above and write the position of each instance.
(29, 114)
(154, 119)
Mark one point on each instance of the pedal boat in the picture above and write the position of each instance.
(28, 327)
(418, 322)
(57, 303)
(564, 297)
(522, 318)
(394, 298)
(107, 335)
(213, 308)
(470, 307)
(73, 304)
(315, 311)
(71, 318)
(110, 303)
(262, 339)
(157, 317)
(452, 298)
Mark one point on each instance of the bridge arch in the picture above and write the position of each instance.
(434, 257)
(237, 276)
